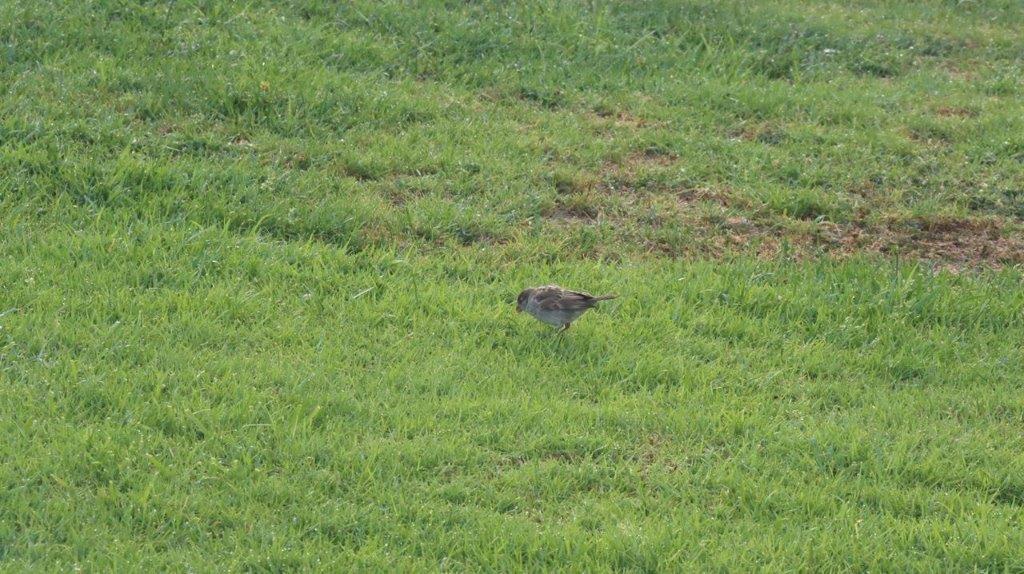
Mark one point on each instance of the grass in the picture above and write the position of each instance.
(258, 264)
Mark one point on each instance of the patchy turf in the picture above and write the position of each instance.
(257, 263)
(421, 128)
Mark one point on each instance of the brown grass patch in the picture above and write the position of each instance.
(954, 241)
(723, 197)
(761, 133)
(653, 156)
(574, 213)
(961, 240)
(955, 112)
(958, 73)
(625, 172)
(618, 119)
(645, 214)
(948, 242)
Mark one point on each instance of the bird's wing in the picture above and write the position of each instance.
(558, 299)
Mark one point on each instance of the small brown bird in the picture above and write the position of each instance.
(556, 306)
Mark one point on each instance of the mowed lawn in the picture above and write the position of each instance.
(258, 265)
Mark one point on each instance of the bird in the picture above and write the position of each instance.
(556, 306)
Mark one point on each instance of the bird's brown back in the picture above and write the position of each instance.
(555, 298)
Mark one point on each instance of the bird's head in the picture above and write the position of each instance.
(524, 295)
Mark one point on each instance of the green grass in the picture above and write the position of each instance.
(257, 267)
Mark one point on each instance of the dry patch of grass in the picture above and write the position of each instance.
(719, 222)
(957, 242)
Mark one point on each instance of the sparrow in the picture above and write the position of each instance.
(556, 306)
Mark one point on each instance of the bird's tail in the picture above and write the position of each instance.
(604, 297)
